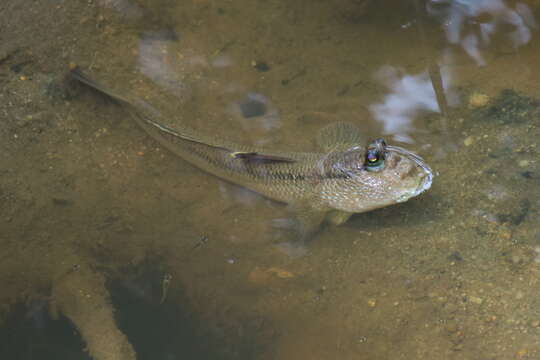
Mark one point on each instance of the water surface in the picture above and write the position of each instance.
(95, 214)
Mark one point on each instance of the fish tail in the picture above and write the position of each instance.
(82, 77)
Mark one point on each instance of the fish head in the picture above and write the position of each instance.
(380, 175)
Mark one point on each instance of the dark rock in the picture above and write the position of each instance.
(518, 216)
(252, 108)
(455, 256)
(62, 202)
(261, 66)
(17, 68)
(528, 174)
(6, 55)
(61, 88)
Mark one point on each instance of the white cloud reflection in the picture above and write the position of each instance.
(161, 61)
(473, 23)
(409, 96)
(155, 61)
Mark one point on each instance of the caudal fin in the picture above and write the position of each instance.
(80, 76)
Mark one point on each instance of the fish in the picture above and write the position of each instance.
(345, 175)
(165, 284)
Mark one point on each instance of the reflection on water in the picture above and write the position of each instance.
(88, 201)
(409, 96)
(127, 8)
(473, 24)
(155, 60)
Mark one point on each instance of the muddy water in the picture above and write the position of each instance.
(105, 233)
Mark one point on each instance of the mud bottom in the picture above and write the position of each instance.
(158, 329)
(166, 327)
(29, 333)
(154, 327)
(156, 332)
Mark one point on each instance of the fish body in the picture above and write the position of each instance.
(343, 177)
(165, 285)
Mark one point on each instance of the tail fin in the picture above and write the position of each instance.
(80, 76)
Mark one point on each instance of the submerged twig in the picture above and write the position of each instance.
(437, 83)
(434, 71)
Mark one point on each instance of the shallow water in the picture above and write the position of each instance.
(95, 214)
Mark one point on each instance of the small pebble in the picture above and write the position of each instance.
(476, 300)
(477, 100)
(260, 66)
(537, 251)
(362, 339)
(522, 352)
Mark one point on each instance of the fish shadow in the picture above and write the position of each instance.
(414, 213)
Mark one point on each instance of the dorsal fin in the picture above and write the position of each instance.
(339, 136)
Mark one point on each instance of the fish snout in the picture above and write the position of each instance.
(415, 176)
(404, 168)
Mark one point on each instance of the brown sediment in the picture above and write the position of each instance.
(82, 297)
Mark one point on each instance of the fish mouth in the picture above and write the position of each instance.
(425, 180)
(423, 185)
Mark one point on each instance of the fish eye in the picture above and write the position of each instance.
(375, 156)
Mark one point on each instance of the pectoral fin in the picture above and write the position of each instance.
(337, 217)
(340, 136)
(308, 218)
